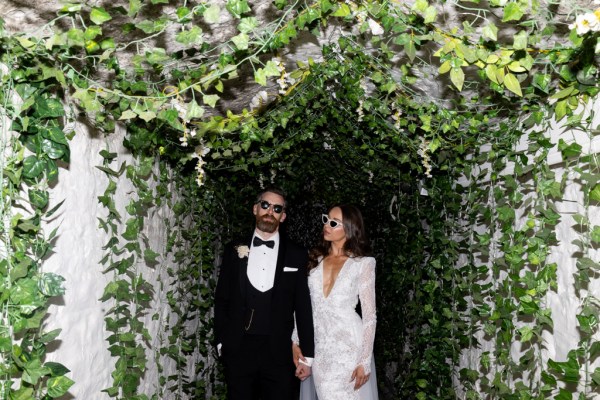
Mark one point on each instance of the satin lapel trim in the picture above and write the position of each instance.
(244, 268)
(280, 259)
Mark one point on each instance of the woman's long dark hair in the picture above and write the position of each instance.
(357, 244)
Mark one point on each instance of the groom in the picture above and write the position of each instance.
(262, 284)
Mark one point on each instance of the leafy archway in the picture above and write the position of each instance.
(358, 124)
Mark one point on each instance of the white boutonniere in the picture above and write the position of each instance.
(243, 251)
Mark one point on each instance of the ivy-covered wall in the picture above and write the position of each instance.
(436, 118)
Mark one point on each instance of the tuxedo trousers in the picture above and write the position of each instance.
(252, 373)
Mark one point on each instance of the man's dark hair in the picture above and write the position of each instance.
(272, 189)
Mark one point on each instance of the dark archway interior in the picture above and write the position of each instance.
(409, 218)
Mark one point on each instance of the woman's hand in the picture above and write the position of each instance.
(297, 354)
(359, 377)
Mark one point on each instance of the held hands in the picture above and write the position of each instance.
(359, 377)
(303, 371)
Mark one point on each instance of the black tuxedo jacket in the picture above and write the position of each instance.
(290, 295)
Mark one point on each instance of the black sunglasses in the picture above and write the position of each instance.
(329, 221)
(277, 208)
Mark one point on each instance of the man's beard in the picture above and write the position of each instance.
(267, 223)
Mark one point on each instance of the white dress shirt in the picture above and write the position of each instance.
(262, 262)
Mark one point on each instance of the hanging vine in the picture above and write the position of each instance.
(363, 107)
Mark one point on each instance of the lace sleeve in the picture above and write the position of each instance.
(366, 294)
(295, 337)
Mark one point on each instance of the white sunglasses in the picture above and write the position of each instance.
(331, 222)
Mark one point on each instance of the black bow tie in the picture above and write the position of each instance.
(259, 242)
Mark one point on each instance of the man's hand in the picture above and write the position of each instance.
(359, 377)
(303, 371)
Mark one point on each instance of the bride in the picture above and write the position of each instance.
(341, 274)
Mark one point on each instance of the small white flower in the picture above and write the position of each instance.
(243, 251)
(426, 158)
(583, 23)
(201, 150)
(376, 29)
(184, 140)
(200, 172)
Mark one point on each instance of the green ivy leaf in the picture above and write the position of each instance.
(47, 338)
(150, 255)
(52, 149)
(56, 135)
(596, 376)
(34, 371)
(91, 32)
(247, 24)
(241, 41)
(192, 36)
(58, 386)
(49, 108)
(184, 15)
(420, 5)
(237, 7)
(342, 11)
(595, 193)
(210, 99)
(512, 83)
(457, 76)
(26, 43)
(127, 114)
(50, 284)
(410, 49)
(520, 40)
(595, 234)
(147, 115)
(212, 14)
(23, 393)
(445, 67)
(38, 198)
(99, 15)
(194, 110)
(158, 55)
(542, 82)
(526, 333)
(132, 229)
(560, 109)
(430, 15)
(33, 166)
(134, 7)
(566, 92)
(513, 12)
(569, 150)
(564, 395)
(490, 32)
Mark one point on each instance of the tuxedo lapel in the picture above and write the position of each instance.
(280, 259)
(243, 270)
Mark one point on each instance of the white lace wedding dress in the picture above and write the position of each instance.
(342, 340)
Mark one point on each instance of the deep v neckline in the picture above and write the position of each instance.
(334, 282)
